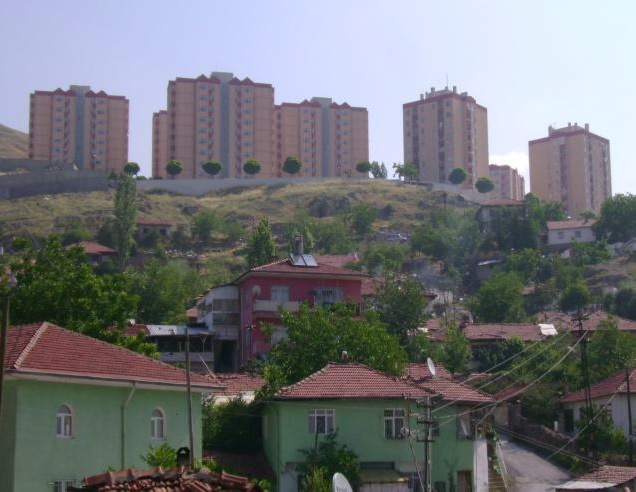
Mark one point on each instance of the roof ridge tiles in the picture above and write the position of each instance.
(32, 342)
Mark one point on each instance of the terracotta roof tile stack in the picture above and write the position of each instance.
(351, 381)
(44, 348)
(160, 480)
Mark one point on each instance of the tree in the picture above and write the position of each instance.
(332, 237)
(174, 168)
(106, 233)
(457, 176)
(587, 215)
(363, 167)
(360, 218)
(617, 222)
(57, 284)
(252, 167)
(378, 171)
(596, 431)
(232, 426)
(292, 165)
(624, 303)
(484, 185)
(380, 258)
(324, 460)
(164, 292)
(407, 171)
(494, 355)
(575, 297)
(131, 169)
(583, 254)
(125, 214)
(261, 248)
(456, 350)
(203, 224)
(212, 167)
(499, 299)
(610, 350)
(74, 232)
(400, 305)
(164, 456)
(319, 336)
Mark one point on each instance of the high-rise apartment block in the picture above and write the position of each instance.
(571, 166)
(81, 127)
(230, 120)
(443, 130)
(508, 182)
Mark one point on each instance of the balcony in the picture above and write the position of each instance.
(266, 305)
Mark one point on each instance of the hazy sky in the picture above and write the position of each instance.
(531, 63)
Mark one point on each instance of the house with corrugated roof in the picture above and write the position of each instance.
(376, 416)
(75, 406)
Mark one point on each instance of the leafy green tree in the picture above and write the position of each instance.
(106, 233)
(406, 171)
(363, 167)
(332, 237)
(379, 171)
(317, 480)
(499, 299)
(174, 168)
(212, 167)
(232, 426)
(131, 168)
(583, 254)
(587, 215)
(302, 223)
(74, 232)
(252, 167)
(261, 248)
(125, 215)
(400, 305)
(319, 336)
(457, 176)
(456, 350)
(617, 222)
(610, 350)
(541, 212)
(328, 458)
(540, 404)
(624, 303)
(575, 297)
(596, 431)
(493, 355)
(484, 185)
(380, 258)
(360, 218)
(292, 165)
(164, 456)
(165, 292)
(57, 284)
(203, 224)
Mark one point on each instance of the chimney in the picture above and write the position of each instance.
(344, 358)
(298, 245)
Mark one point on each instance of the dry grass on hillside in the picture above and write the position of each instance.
(13, 143)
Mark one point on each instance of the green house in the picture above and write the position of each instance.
(75, 406)
(375, 415)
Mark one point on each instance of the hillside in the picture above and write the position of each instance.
(13, 143)
(399, 205)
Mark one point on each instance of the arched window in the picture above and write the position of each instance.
(157, 424)
(64, 422)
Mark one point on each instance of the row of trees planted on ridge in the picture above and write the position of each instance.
(291, 166)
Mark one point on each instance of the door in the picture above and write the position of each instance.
(465, 481)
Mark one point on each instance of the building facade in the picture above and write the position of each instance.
(508, 182)
(232, 121)
(81, 127)
(571, 166)
(443, 130)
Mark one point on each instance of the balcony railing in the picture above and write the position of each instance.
(273, 306)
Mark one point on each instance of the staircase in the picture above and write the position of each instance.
(496, 475)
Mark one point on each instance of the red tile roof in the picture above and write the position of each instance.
(527, 332)
(237, 382)
(442, 383)
(160, 480)
(615, 475)
(591, 323)
(135, 329)
(336, 260)
(285, 266)
(614, 384)
(92, 248)
(47, 349)
(560, 225)
(350, 381)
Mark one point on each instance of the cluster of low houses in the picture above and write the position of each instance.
(75, 406)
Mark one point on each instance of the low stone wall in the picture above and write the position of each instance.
(51, 182)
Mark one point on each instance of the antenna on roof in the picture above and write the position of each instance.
(431, 366)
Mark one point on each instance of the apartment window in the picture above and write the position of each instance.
(577, 234)
(64, 422)
(560, 235)
(280, 293)
(157, 424)
(321, 421)
(393, 423)
(326, 296)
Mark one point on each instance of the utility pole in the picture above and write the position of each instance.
(189, 396)
(629, 418)
(579, 318)
(426, 419)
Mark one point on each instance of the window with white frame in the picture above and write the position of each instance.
(64, 422)
(393, 423)
(321, 421)
(280, 293)
(157, 424)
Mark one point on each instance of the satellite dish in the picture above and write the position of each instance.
(340, 483)
(431, 366)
